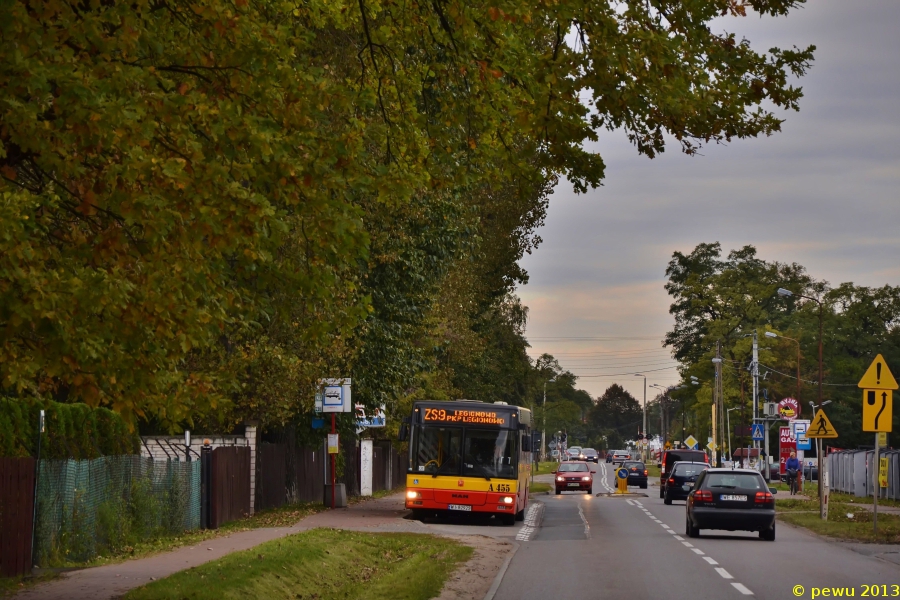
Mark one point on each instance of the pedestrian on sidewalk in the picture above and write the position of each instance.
(791, 466)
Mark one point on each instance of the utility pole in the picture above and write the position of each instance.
(754, 366)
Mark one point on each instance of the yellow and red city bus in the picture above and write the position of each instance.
(468, 456)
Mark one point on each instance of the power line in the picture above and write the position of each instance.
(807, 380)
(628, 373)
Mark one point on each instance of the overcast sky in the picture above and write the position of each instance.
(823, 193)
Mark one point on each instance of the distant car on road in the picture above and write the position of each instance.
(670, 457)
(637, 473)
(620, 456)
(590, 455)
(731, 499)
(573, 453)
(683, 473)
(574, 476)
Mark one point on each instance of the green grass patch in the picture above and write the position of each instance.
(653, 472)
(850, 499)
(537, 487)
(839, 525)
(10, 586)
(283, 516)
(323, 564)
(795, 504)
(543, 468)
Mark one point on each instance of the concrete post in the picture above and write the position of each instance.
(250, 433)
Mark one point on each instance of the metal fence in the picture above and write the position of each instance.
(850, 471)
(87, 507)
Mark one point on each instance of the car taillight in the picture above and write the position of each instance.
(672, 480)
(645, 472)
(764, 498)
(703, 496)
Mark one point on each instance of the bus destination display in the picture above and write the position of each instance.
(467, 417)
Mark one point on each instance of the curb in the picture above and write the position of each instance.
(615, 495)
(498, 579)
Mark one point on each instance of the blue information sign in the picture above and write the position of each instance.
(622, 473)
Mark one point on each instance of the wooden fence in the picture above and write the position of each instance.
(229, 490)
(286, 474)
(16, 515)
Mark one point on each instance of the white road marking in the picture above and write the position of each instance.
(587, 528)
(670, 531)
(725, 574)
(710, 560)
(679, 538)
(638, 502)
(742, 589)
(697, 551)
(688, 544)
(664, 526)
(530, 526)
(632, 503)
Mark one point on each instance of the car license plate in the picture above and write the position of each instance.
(459, 507)
(733, 498)
(574, 484)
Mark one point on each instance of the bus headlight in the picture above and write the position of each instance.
(413, 495)
(507, 500)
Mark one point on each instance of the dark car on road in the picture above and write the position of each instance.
(590, 455)
(670, 457)
(682, 473)
(731, 499)
(574, 477)
(637, 473)
(620, 456)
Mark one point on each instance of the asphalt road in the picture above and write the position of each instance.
(586, 546)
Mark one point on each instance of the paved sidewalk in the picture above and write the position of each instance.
(112, 581)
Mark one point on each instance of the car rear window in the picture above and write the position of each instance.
(735, 480)
(689, 470)
(570, 468)
(685, 455)
(639, 465)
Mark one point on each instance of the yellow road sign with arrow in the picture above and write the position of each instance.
(877, 405)
(821, 427)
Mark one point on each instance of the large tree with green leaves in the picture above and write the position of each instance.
(191, 192)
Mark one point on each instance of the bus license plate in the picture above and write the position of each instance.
(734, 498)
(459, 507)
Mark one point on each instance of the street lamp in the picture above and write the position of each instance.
(644, 430)
(544, 419)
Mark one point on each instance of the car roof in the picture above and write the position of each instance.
(694, 462)
(726, 470)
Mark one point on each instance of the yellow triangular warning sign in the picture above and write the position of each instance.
(821, 427)
(878, 376)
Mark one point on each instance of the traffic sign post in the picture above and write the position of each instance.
(758, 434)
(622, 480)
(691, 442)
(877, 384)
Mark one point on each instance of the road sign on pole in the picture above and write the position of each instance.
(877, 406)
(691, 442)
(758, 432)
(821, 427)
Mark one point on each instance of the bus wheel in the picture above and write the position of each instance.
(520, 516)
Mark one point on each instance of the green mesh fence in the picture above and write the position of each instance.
(104, 506)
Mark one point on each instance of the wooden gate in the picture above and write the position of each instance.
(16, 515)
(229, 493)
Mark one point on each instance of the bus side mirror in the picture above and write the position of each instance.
(403, 434)
(526, 443)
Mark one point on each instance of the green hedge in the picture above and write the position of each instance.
(70, 430)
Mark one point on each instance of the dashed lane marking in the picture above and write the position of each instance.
(742, 589)
(725, 574)
(587, 527)
(720, 570)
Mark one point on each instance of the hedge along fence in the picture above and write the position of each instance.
(70, 430)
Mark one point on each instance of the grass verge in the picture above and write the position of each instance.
(283, 516)
(542, 468)
(653, 472)
(537, 487)
(9, 586)
(839, 525)
(324, 564)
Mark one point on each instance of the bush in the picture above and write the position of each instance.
(71, 430)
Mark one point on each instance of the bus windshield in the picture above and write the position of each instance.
(469, 452)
